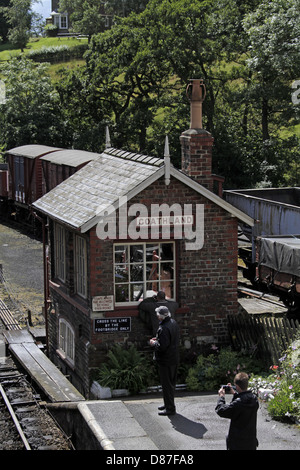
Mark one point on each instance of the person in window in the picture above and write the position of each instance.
(242, 411)
(147, 309)
(166, 355)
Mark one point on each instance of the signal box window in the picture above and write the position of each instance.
(143, 269)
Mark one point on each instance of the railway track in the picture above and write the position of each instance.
(25, 422)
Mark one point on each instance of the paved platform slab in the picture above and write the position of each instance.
(134, 424)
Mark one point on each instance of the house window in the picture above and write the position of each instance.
(60, 253)
(142, 269)
(81, 266)
(66, 341)
(63, 22)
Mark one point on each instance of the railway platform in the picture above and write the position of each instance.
(53, 383)
(133, 423)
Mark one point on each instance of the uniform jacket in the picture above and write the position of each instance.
(166, 348)
(243, 414)
(147, 311)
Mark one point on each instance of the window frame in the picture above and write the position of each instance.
(63, 21)
(144, 262)
(60, 252)
(66, 340)
(80, 263)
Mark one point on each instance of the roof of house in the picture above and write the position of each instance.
(83, 199)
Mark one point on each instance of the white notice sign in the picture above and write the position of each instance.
(103, 303)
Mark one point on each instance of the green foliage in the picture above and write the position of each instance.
(136, 75)
(125, 368)
(281, 389)
(19, 15)
(51, 30)
(61, 53)
(31, 113)
(219, 368)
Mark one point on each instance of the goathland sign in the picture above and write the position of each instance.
(164, 222)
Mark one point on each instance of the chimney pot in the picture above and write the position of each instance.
(196, 93)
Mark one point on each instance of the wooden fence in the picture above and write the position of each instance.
(265, 337)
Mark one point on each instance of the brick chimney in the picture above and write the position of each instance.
(196, 142)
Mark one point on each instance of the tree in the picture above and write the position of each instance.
(89, 16)
(31, 113)
(84, 117)
(18, 15)
(274, 31)
(4, 26)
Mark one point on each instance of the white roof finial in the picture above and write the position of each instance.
(107, 139)
(167, 162)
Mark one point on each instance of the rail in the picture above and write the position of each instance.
(14, 418)
(7, 318)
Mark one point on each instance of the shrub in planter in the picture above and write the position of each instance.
(126, 369)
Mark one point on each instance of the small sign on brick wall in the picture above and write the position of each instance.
(103, 303)
(112, 325)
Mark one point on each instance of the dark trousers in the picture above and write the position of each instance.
(168, 375)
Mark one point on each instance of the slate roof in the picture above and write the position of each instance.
(97, 186)
(83, 198)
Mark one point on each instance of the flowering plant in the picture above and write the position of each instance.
(281, 388)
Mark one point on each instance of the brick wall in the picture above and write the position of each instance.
(196, 156)
(207, 279)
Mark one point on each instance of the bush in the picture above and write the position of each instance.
(281, 388)
(56, 54)
(51, 30)
(219, 368)
(125, 368)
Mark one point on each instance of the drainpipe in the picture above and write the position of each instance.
(45, 277)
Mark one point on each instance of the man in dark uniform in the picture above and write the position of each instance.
(147, 309)
(166, 354)
(242, 411)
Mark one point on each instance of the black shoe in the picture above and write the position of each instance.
(162, 407)
(167, 413)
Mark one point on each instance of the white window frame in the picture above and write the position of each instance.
(66, 341)
(60, 252)
(63, 19)
(58, 20)
(81, 266)
(160, 283)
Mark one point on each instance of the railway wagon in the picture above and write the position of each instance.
(33, 170)
(278, 267)
(25, 173)
(3, 180)
(276, 212)
(59, 165)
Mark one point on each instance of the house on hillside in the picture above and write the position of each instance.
(62, 20)
(126, 226)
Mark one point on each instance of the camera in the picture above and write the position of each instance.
(227, 388)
